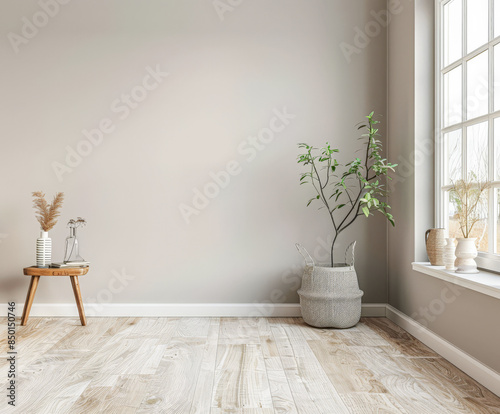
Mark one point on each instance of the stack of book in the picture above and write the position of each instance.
(70, 264)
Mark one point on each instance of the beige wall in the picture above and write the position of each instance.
(465, 318)
(228, 72)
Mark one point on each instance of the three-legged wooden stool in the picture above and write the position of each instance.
(36, 272)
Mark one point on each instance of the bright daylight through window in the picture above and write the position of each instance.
(468, 118)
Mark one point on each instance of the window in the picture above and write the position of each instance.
(468, 114)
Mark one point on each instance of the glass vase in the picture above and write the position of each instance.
(71, 251)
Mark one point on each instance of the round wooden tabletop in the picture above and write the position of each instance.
(55, 271)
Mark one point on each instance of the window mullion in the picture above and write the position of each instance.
(469, 56)
(492, 216)
(439, 220)
(492, 221)
(492, 199)
(464, 28)
(464, 89)
(491, 18)
(464, 153)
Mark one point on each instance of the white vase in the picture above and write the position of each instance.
(466, 252)
(43, 250)
(449, 254)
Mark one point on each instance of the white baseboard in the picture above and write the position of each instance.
(279, 310)
(468, 364)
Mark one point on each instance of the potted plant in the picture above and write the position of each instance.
(469, 197)
(46, 214)
(330, 295)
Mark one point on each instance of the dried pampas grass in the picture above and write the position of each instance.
(470, 198)
(46, 213)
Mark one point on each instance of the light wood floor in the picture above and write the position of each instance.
(224, 365)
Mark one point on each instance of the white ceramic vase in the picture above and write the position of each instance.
(449, 254)
(466, 251)
(43, 250)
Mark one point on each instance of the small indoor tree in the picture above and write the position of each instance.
(351, 190)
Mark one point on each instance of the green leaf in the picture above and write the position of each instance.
(323, 169)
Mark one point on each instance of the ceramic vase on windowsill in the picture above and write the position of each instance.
(449, 254)
(466, 252)
(43, 250)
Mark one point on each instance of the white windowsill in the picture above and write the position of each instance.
(484, 282)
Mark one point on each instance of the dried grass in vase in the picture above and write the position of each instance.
(46, 213)
(468, 196)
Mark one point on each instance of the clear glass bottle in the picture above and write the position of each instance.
(71, 251)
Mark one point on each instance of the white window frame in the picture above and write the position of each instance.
(488, 261)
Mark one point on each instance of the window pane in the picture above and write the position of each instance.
(453, 155)
(497, 206)
(496, 139)
(477, 151)
(496, 77)
(452, 31)
(477, 24)
(453, 97)
(496, 7)
(480, 229)
(453, 224)
(477, 86)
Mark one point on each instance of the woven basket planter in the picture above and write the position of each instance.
(330, 296)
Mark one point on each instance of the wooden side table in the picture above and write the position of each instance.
(36, 272)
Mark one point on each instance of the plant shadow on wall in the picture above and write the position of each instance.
(330, 295)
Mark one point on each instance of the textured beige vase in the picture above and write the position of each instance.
(435, 243)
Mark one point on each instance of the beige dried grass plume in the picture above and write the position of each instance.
(469, 196)
(46, 213)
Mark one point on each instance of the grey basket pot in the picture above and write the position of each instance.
(330, 296)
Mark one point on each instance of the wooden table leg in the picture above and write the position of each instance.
(29, 299)
(78, 298)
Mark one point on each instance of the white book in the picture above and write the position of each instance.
(70, 264)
